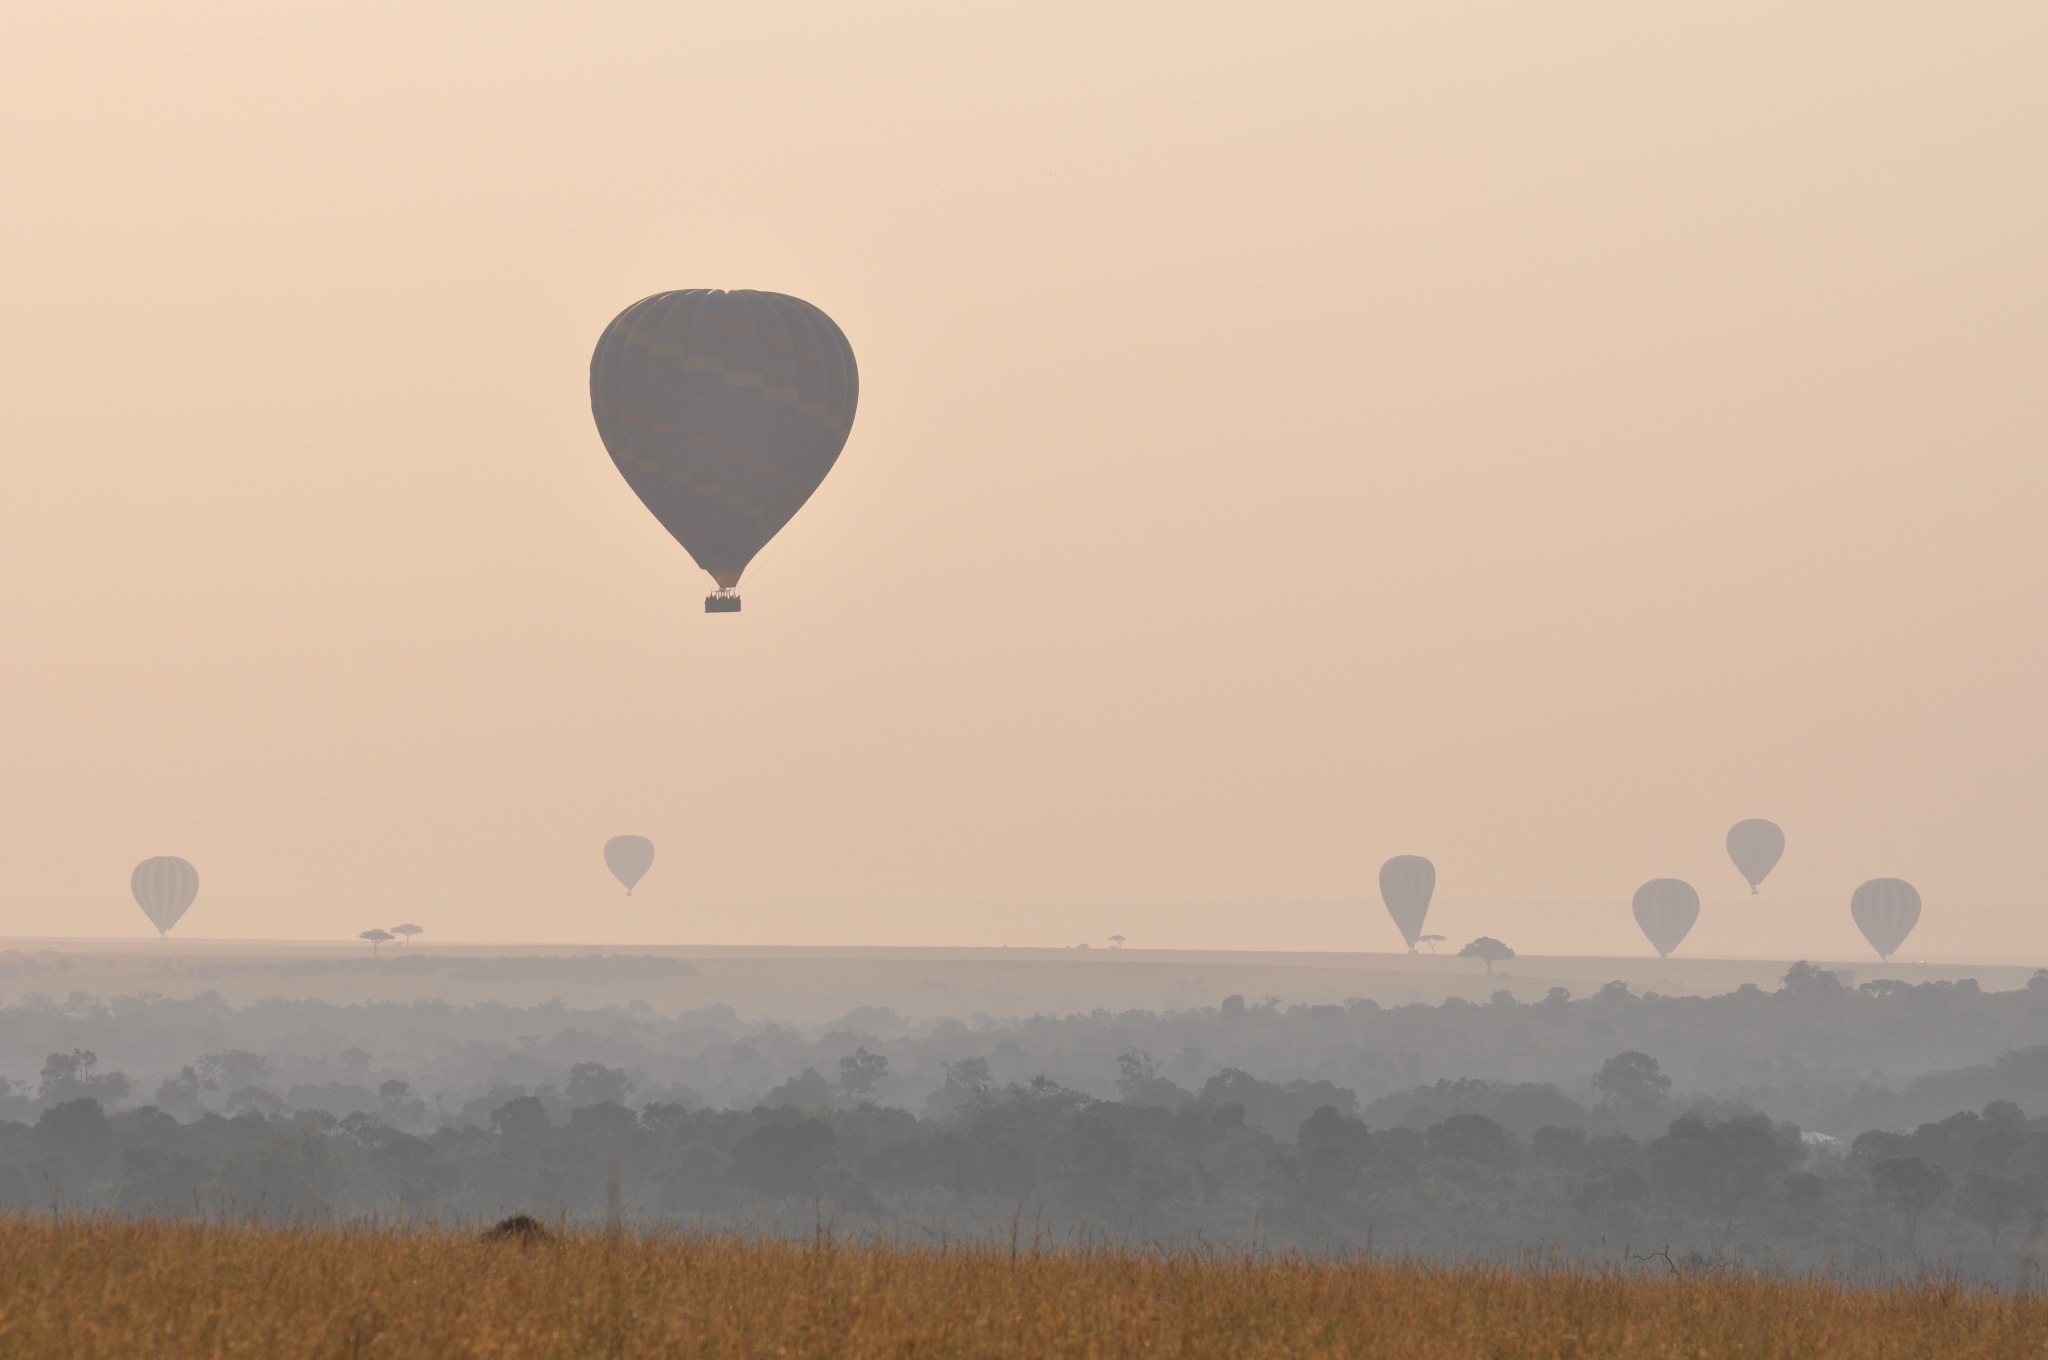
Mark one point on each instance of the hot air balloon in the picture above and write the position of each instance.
(1407, 882)
(723, 411)
(1755, 846)
(1666, 909)
(163, 888)
(1886, 910)
(629, 858)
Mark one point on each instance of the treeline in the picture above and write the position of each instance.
(1709, 1185)
(1810, 1127)
(1814, 1051)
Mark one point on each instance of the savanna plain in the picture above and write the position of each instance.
(1810, 1164)
(143, 1289)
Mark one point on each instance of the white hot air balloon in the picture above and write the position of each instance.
(1666, 909)
(1755, 846)
(163, 888)
(1407, 882)
(1886, 910)
(629, 858)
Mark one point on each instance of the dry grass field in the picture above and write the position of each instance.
(136, 1291)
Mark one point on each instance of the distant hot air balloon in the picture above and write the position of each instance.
(163, 888)
(724, 411)
(629, 858)
(1886, 910)
(1407, 882)
(1666, 909)
(1755, 846)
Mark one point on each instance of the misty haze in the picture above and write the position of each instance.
(1296, 648)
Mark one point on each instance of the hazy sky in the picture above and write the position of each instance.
(1534, 436)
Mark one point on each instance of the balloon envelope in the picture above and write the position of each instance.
(1755, 846)
(629, 858)
(723, 411)
(1666, 909)
(163, 888)
(1407, 882)
(1886, 910)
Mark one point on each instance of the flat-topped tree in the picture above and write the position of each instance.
(408, 931)
(1431, 940)
(376, 937)
(1489, 949)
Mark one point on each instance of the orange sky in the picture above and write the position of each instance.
(1530, 436)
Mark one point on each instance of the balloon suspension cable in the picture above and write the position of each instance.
(724, 600)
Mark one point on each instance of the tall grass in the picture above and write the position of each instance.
(138, 1290)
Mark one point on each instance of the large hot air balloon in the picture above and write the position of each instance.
(724, 411)
(1407, 882)
(629, 858)
(163, 888)
(1666, 909)
(1755, 846)
(1886, 910)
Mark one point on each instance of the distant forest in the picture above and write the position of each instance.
(1869, 1130)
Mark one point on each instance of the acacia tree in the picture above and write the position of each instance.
(1488, 949)
(1634, 1082)
(1909, 1185)
(592, 1083)
(408, 931)
(971, 1073)
(376, 937)
(1992, 1200)
(860, 1070)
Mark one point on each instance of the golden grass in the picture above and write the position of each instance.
(87, 1287)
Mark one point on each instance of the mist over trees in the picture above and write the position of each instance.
(1862, 1129)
